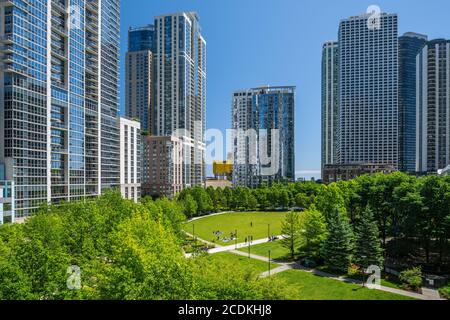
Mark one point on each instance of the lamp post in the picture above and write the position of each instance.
(193, 234)
(236, 238)
(249, 247)
(268, 231)
(269, 262)
(363, 271)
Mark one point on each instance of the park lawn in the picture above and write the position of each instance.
(311, 287)
(386, 279)
(241, 221)
(277, 251)
(227, 257)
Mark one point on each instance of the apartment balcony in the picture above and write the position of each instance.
(59, 6)
(6, 39)
(6, 49)
(92, 5)
(23, 71)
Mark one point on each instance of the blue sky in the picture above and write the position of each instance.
(277, 42)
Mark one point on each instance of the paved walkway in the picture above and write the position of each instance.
(210, 215)
(428, 294)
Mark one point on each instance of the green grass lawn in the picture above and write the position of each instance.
(311, 287)
(242, 222)
(386, 279)
(227, 257)
(277, 251)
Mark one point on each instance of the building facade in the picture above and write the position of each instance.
(162, 167)
(6, 198)
(264, 136)
(410, 44)
(330, 103)
(180, 66)
(368, 91)
(139, 75)
(337, 172)
(130, 159)
(433, 107)
(59, 99)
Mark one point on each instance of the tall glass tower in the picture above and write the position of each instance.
(139, 75)
(59, 99)
(410, 44)
(180, 66)
(256, 114)
(330, 103)
(368, 90)
(433, 107)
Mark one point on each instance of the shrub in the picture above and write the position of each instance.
(412, 278)
(445, 292)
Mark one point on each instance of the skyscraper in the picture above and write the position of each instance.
(180, 66)
(59, 99)
(139, 75)
(433, 106)
(409, 46)
(130, 159)
(330, 103)
(264, 138)
(368, 90)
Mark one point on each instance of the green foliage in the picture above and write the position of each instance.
(313, 232)
(330, 198)
(367, 245)
(338, 245)
(412, 278)
(291, 230)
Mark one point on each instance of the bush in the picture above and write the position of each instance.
(412, 278)
(445, 292)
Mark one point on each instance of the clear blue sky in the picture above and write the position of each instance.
(278, 42)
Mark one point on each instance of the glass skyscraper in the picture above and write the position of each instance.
(140, 77)
(433, 107)
(330, 103)
(180, 67)
(368, 91)
(410, 44)
(256, 113)
(59, 99)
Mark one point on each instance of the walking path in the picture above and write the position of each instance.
(428, 294)
(210, 215)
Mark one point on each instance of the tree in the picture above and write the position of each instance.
(338, 245)
(291, 232)
(367, 245)
(328, 199)
(303, 201)
(203, 200)
(313, 232)
(190, 206)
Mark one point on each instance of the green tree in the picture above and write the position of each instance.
(328, 199)
(313, 232)
(290, 229)
(367, 243)
(338, 245)
(190, 206)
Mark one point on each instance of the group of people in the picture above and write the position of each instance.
(218, 235)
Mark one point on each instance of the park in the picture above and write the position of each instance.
(253, 240)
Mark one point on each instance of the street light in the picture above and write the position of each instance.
(269, 262)
(249, 247)
(268, 231)
(236, 238)
(363, 271)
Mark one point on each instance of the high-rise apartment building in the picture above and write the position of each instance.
(264, 136)
(162, 167)
(180, 66)
(139, 75)
(130, 159)
(410, 44)
(368, 90)
(330, 103)
(433, 107)
(59, 99)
